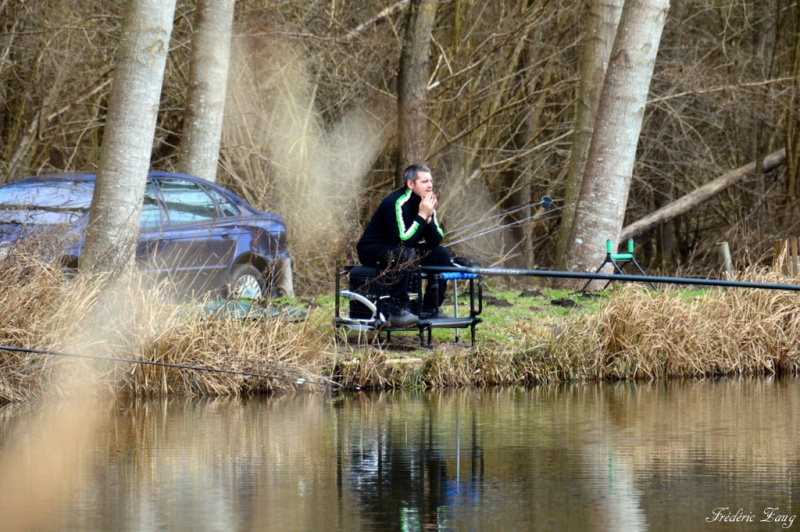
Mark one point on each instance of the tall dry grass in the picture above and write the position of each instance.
(658, 335)
(638, 335)
(101, 320)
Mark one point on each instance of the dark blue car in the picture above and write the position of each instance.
(198, 233)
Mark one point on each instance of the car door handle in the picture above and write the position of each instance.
(225, 235)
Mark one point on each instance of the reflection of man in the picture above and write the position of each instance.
(404, 231)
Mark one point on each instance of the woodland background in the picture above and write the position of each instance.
(310, 121)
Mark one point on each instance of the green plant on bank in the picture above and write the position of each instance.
(529, 336)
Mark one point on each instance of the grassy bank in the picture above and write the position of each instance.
(530, 336)
(628, 333)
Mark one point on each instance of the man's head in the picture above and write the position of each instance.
(418, 178)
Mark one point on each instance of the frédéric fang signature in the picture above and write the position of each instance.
(724, 514)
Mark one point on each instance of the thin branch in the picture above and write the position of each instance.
(719, 89)
(390, 11)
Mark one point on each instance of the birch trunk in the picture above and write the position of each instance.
(607, 179)
(603, 22)
(128, 136)
(208, 79)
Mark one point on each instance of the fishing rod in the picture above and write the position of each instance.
(545, 202)
(299, 381)
(515, 222)
(609, 277)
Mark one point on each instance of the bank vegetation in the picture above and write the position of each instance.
(59, 332)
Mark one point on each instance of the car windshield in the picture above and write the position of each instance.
(45, 202)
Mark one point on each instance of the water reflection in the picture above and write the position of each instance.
(406, 474)
(606, 457)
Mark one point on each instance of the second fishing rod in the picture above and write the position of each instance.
(546, 202)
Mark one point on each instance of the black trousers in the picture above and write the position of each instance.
(398, 263)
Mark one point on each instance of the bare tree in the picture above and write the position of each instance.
(128, 136)
(505, 89)
(607, 179)
(502, 83)
(534, 74)
(603, 19)
(53, 72)
(792, 118)
(412, 90)
(208, 78)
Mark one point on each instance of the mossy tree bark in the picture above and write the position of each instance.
(603, 19)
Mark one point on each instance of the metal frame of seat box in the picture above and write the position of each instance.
(367, 298)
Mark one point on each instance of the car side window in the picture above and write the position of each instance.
(226, 206)
(186, 202)
(151, 210)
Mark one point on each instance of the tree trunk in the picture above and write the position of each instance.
(606, 182)
(208, 80)
(701, 195)
(766, 38)
(603, 20)
(792, 135)
(128, 136)
(412, 90)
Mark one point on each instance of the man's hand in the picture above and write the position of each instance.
(427, 206)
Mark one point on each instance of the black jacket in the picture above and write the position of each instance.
(396, 222)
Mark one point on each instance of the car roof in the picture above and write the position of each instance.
(58, 177)
(91, 176)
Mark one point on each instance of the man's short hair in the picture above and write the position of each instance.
(412, 172)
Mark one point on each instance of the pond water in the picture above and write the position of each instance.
(713, 455)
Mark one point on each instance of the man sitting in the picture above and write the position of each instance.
(402, 233)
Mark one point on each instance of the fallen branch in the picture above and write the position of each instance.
(390, 11)
(699, 196)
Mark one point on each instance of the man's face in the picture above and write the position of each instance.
(423, 186)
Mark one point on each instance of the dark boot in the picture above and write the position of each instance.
(399, 315)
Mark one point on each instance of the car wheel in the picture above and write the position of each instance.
(69, 271)
(246, 282)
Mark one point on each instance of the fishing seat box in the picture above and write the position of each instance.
(366, 280)
(370, 283)
(360, 280)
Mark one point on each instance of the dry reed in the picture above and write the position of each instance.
(638, 335)
(136, 320)
(658, 335)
